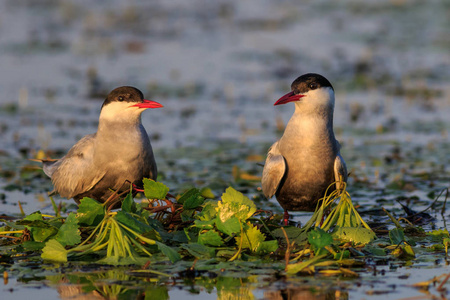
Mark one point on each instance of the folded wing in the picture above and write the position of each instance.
(75, 173)
(340, 170)
(274, 170)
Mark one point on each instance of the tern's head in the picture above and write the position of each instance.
(310, 91)
(125, 103)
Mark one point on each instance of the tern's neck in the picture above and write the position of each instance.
(119, 125)
(310, 125)
(303, 116)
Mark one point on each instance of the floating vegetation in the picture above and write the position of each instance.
(190, 236)
(193, 227)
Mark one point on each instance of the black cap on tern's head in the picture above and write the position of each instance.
(129, 95)
(303, 85)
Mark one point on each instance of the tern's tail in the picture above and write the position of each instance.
(48, 165)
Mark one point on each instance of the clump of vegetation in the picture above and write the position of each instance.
(194, 227)
(343, 219)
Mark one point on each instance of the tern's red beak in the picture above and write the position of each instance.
(289, 97)
(147, 104)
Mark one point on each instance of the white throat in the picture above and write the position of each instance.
(120, 113)
(318, 102)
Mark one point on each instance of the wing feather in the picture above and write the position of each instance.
(274, 170)
(75, 173)
(340, 169)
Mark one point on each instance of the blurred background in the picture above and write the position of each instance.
(218, 67)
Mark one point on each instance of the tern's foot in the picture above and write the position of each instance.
(286, 218)
(137, 189)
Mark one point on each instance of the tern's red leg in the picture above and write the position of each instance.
(137, 189)
(286, 218)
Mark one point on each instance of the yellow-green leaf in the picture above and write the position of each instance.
(54, 251)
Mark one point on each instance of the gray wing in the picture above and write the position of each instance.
(49, 166)
(274, 169)
(340, 170)
(75, 173)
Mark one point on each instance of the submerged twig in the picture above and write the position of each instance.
(397, 224)
(287, 254)
(113, 199)
(22, 213)
(433, 203)
(15, 238)
(440, 287)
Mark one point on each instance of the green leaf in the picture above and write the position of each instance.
(40, 230)
(230, 226)
(235, 204)
(90, 212)
(32, 246)
(191, 199)
(169, 252)
(375, 250)
(193, 202)
(179, 237)
(267, 247)
(438, 235)
(43, 234)
(155, 190)
(252, 238)
(31, 217)
(405, 251)
(191, 193)
(359, 235)
(128, 204)
(69, 234)
(298, 267)
(210, 238)
(408, 251)
(187, 215)
(207, 193)
(295, 234)
(396, 236)
(342, 255)
(318, 238)
(54, 251)
(226, 253)
(204, 225)
(132, 223)
(34, 223)
(199, 251)
(208, 212)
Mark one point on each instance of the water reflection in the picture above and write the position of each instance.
(117, 284)
(308, 293)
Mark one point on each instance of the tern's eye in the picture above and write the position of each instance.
(313, 85)
(121, 98)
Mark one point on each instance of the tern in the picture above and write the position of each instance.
(306, 160)
(100, 164)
